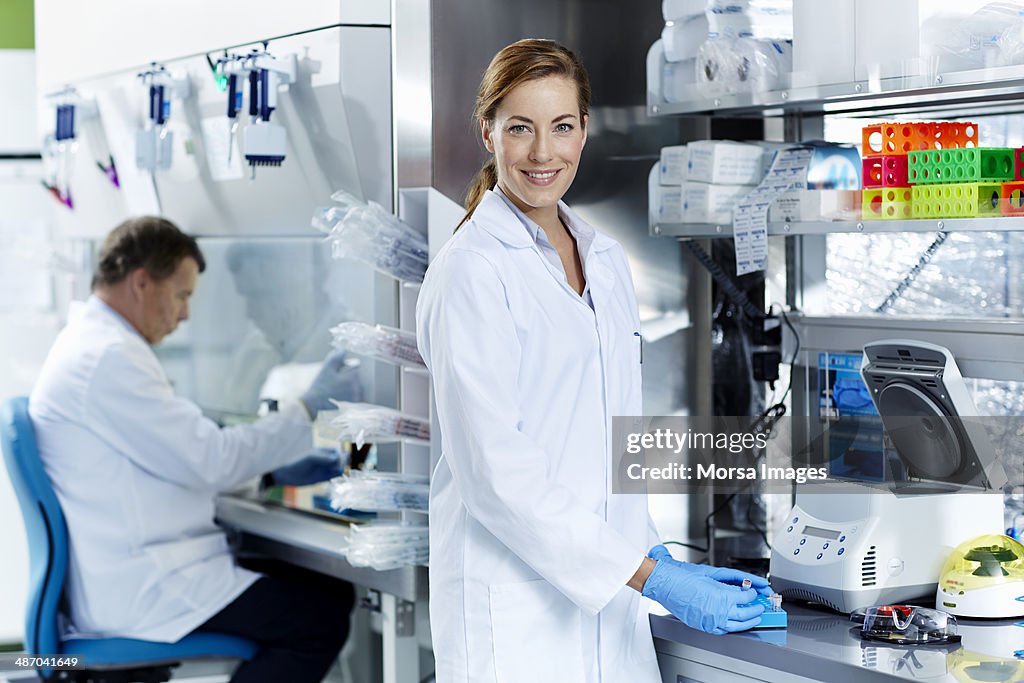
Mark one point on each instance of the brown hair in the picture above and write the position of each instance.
(148, 242)
(524, 60)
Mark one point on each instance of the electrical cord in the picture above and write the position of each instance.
(771, 415)
(912, 274)
(725, 282)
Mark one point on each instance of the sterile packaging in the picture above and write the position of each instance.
(824, 43)
(682, 38)
(378, 341)
(888, 34)
(366, 422)
(366, 232)
(761, 19)
(726, 163)
(991, 36)
(673, 10)
(670, 81)
(665, 202)
(815, 205)
(388, 545)
(743, 65)
(675, 160)
(380, 492)
(706, 203)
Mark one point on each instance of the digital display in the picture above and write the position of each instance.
(820, 533)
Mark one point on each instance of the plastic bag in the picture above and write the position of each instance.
(368, 233)
(729, 66)
(388, 545)
(380, 492)
(377, 341)
(362, 422)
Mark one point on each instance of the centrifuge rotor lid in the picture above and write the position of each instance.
(926, 440)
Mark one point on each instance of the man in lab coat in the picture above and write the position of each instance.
(136, 469)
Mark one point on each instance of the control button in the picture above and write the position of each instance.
(842, 550)
(797, 551)
(819, 555)
(789, 529)
(825, 547)
(842, 538)
(803, 540)
(795, 520)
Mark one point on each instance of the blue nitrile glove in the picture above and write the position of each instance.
(733, 577)
(337, 379)
(319, 465)
(701, 602)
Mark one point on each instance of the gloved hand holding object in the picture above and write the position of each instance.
(733, 577)
(700, 601)
(337, 379)
(319, 465)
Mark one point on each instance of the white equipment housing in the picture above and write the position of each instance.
(849, 545)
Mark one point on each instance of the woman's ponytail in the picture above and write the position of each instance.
(485, 179)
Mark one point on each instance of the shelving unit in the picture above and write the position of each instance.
(801, 111)
(920, 93)
(711, 230)
(933, 93)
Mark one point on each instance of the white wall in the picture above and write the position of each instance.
(77, 40)
(28, 323)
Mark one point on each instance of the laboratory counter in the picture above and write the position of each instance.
(311, 541)
(821, 645)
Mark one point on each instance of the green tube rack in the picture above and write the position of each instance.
(958, 200)
(969, 165)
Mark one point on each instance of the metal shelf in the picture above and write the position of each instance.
(932, 91)
(710, 230)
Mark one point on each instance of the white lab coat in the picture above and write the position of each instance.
(136, 469)
(529, 551)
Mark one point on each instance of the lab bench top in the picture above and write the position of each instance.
(311, 541)
(821, 645)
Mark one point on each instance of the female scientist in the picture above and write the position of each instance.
(528, 322)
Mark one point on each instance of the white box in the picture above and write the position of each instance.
(725, 163)
(706, 203)
(824, 42)
(888, 37)
(665, 202)
(815, 205)
(674, 161)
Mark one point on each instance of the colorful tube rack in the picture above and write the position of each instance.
(957, 200)
(903, 138)
(980, 164)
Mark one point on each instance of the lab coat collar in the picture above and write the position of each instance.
(495, 216)
(94, 303)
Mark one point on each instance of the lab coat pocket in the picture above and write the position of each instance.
(536, 634)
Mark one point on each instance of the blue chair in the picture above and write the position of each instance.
(107, 659)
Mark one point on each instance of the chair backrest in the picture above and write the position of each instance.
(44, 525)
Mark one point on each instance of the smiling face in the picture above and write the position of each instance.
(537, 137)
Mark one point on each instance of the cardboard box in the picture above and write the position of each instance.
(725, 163)
(815, 205)
(674, 161)
(665, 202)
(707, 203)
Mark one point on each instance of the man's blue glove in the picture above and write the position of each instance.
(337, 379)
(727, 575)
(701, 602)
(319, 465)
